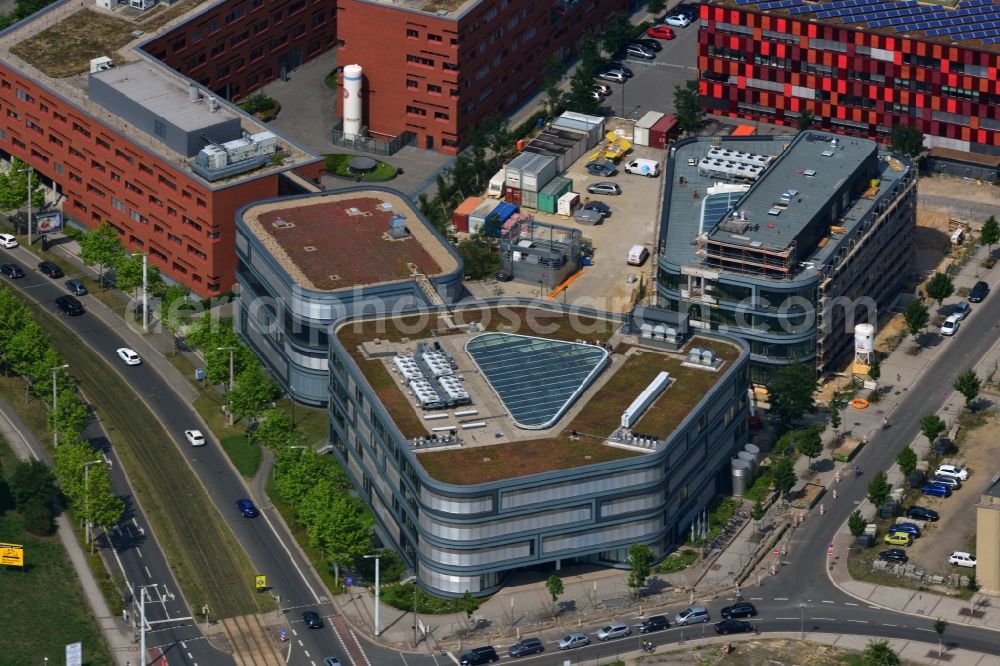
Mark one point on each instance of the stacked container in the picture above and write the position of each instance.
(662, 132)
(548, 197)
(526, 175)
(640, 133)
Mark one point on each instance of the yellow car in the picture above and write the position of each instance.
(898, 539)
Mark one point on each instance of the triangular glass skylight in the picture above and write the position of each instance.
(537, 379)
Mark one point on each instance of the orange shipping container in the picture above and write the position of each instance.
(460, 218)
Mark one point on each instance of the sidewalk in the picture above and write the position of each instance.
(116, 635)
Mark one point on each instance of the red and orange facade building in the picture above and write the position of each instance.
(858, 68)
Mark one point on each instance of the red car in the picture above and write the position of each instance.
(660, 32)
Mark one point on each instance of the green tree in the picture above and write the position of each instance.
(275, 430)
(552, 75)
(339, 525)
(71, 414)
(931, 426)
(989, 234)
(757, 513)
(554, 585)
(907, 461)
(805, 120)
(37, 518)
(916, 318)
(581, 93)
(968, 384)
(479, 258)
(879, 490)
(835, 420)
(808, 442)
(101, 247)
(128, 275)
(297, 471)
(68, 467)
(783, 473)
(687, 105)
(940, 287)
(618, 32)
(14, 187)
(875, 369)
(792, 389)
(175, 309)
(878, 653)
(252, 393)
(940, 626)
(906, 139)
(656, 6)
(640, 557)
(856, 523)
(100, 506)
(32, 480)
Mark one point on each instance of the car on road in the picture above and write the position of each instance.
(613, 630)
(13, 271)
(247, 508)
(742, 609)
(962, 559)
(50, 269)
(936, 490)
(601, 207)
(959, 473)
(894, 555)
(692, 615)
(75, 287)
(949, 481)
(640, 51)
(616, 63)
(611, 189)
(574, 640)
(677, 21)
(601, 167)
(331, 661)
(479, 655)
(128, 356)
(7, 241)
(616, 75)
(312, 620)
(950, 325)
(654, 623)
(69, 305)
(923, 513)
(961, 310)
(651, 44)
(909, 528)
(898, 539)
(979, 291)
(194, 437)
(733, 627)
(660, 32)
(525, 646)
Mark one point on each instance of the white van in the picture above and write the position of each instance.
(637, 255)
(643, 167)
(496, 186)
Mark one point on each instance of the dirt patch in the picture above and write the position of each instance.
(958, 188)
(758, 653)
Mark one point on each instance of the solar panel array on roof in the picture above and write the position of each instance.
(537, 379)
(780, 4)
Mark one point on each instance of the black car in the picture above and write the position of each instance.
(503, 276)
(653, 44)
(979, 292)
(312, 620)
(13, 271)
(733, 627)
(479, 655)
(894, 555)
(69, 305)
(654, 623)
(50, 269)
(742, 609)
(923, 513)
(525, 646)
(599, 206)
(619, 65)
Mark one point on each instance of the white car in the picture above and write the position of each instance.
(129, 356)
(962, 559)
(954, 471)
(7, 241)
(677, 21)
(950, 325)
(194, 437)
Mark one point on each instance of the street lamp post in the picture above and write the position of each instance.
(30, 170)
(802, 620)
(145, 294)
(55, 405)
(86, 491)
(230, 350)
(378, 614)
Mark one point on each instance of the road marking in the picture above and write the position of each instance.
(827, 619)
(786, 618)
(291, 559)
(190, 656)
(139, 550)
(848, 603)
(306, 653)
(756, 598)
(361, 649)
(294, 633)
(859, 621)
(300, 643)
(148, 574)
(184, 645)
(890, 625)
(781, 598)
(826, 602)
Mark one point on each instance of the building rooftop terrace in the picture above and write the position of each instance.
(54, 47)
(448, 9)
(333, 241)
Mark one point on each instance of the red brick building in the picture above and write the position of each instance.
(438, 73)
(858, 68)
(234, 47)
(108, 152)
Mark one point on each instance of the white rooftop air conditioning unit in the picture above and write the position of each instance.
(100, 64)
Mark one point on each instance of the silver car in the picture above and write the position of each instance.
(573, 641)
(613, 630)
(692, 615)
(604, 188)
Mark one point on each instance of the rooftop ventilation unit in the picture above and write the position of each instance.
(397, 227)
(100, 64)
(281, 223)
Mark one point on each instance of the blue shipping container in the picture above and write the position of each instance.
(495, 220)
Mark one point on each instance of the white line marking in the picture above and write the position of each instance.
(756, 598)
(890, 625)
(827, 619)
(138, 550)
(340, 639)
(355, 637)
(300, 643)
(189, 656)
(786, 618)
(859, 621)
(781, 598)
(148, 574)
(294, 633)
(848, 603)
(184, 645)
(306, 653)
(826, 602)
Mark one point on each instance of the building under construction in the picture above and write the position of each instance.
(785, 242)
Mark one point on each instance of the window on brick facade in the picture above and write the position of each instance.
(415, 111)
(277, 42)
(410, 32)
(419, 60)
(296, 6)
(256, 54)
(433, 89)
(212, 27)
(440, 115)
(117, 204)
(411, 84)
(235, 15)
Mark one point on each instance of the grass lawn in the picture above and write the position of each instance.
(244, 455)
(337, 164)
(47, 593)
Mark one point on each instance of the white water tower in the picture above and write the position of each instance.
(352, 101)
(864, 348)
